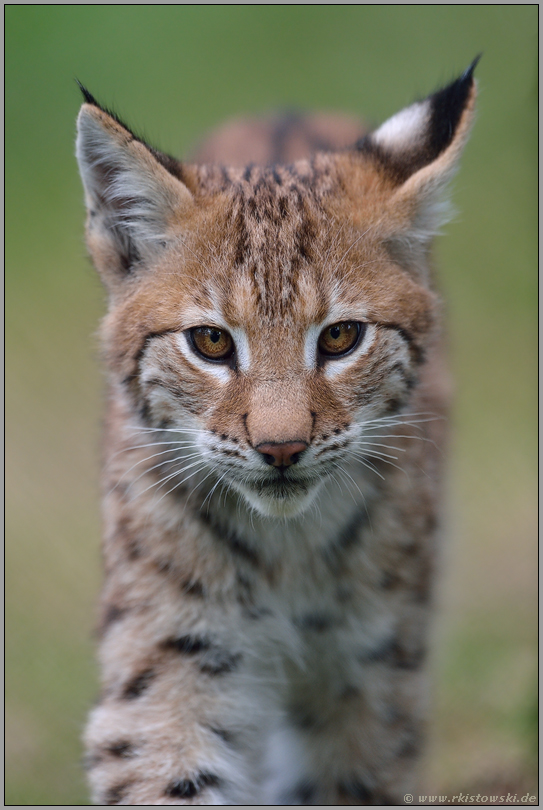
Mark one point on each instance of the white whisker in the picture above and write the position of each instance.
(364, 458)
(162, 481)
(162, 464)
(143, 461)
(178, 484)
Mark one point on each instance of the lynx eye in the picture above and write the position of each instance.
(340, 338)
(212, 343)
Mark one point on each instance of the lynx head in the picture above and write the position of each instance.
(267, 314)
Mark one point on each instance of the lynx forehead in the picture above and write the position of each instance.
(272, 454)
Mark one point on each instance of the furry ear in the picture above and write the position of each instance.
(417, 150)
(132, 192)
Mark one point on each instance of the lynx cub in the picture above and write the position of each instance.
(272, 470)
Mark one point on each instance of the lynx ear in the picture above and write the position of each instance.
(418, 151)
(132, 193)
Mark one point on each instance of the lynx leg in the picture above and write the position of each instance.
(174, 726)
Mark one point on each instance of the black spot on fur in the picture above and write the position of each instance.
(182, 789)
(188, 645)
(187, 788)
(230, 538)
(226, 736)
(220, 663)
(112, 614)
(316, 622)
(393, 654)
(133, 550)
(138, 685)
(115, 795)
(164, 566)
(121, 749)
(193, 588)
(231, 453)
(346, 539)
(216, 661)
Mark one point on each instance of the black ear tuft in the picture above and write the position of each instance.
(170, 163)
(89, 98)
(447, 106)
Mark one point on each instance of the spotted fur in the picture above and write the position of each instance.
(270, 520)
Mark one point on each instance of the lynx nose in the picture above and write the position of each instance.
(281, 455)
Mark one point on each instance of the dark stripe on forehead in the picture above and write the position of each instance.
(240, 235)
(274, 229)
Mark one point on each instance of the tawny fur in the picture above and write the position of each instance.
(264, 631)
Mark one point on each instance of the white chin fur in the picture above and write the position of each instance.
(269, 506)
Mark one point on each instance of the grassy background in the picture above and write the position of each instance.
(173, 72)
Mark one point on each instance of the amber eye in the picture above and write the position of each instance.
(212, 343)
(340, 338)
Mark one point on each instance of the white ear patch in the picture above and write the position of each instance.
(406, 129)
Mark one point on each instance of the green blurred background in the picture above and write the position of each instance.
(174, 72)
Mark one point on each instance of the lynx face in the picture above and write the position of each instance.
(261, 319)
(274, 382)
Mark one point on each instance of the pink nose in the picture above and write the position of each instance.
(281, 455)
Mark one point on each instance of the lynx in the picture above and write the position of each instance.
(273, 453)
